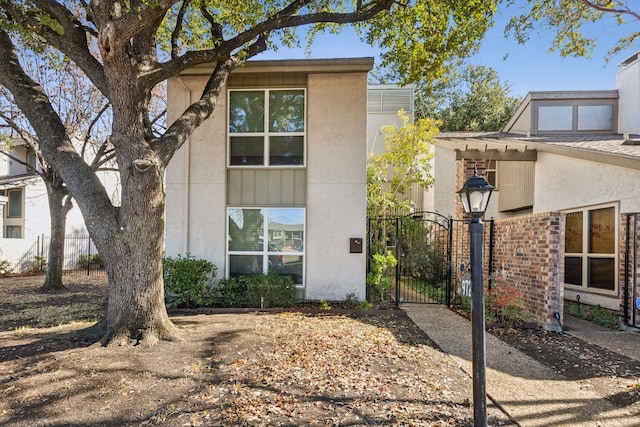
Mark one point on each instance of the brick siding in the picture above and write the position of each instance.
(530, 251)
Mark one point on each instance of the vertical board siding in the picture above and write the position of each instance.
(516, 184)
(266, 187)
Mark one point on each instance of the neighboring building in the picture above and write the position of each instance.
(383, 104)
(24, 208)
(574, 153)
(277, 177)
(23, 203)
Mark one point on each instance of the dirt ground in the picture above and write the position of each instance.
(250, 369)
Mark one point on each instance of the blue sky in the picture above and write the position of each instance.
(526, 67)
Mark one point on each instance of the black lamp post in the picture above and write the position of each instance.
(475, 195)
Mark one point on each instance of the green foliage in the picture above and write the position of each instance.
(258, 290)
(350, 300)
(378, 278)
(5, 268)
(421, 258)
(404, 163)
(39, 265)
(324, 305)
(568, 19)
(426, 38)
(90, 261)
(365, 305)
(473, 99)
(596, 314)
(186, 280)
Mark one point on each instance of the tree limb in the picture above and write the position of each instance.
(52, 138)
(73, 41)
(278, 21)
(617, 11)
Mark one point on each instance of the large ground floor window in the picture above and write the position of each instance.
(591, 249)
(263, 239)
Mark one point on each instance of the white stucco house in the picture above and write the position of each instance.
(25, 224)
(576, 153)
(276, 179)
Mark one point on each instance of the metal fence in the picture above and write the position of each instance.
(80, 254)
(432, 254)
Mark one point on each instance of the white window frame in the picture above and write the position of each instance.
(13, 190)
(265, 253)
(266, 134)
(6, 232)
(573, 107)
(585, 254)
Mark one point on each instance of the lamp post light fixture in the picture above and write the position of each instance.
(475, 195)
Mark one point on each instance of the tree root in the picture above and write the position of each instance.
(143, 338)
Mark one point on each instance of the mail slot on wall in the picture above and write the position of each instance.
(355, 245)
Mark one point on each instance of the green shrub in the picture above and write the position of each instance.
(187, 280)
(350, 300)
(5, 268)
(324, 305)
(379, 278)
(595, 314)
(258, 290)
(365, 305)
(90, 261)
(39, 265)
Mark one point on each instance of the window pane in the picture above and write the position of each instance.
(247, 150)
(245, 230)
(287, 265)
(602, 273)
(601, 231)
(595, 117)
(31, 161)
(242, 265)
(573, 233)
(13, 232)
(573, 270)
(15, 203)
(555, 118)
(246, 111)
(286, 111)
(286, 150)
(286, 229)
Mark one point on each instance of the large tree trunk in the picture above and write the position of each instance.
(59, 206)
(133, 259)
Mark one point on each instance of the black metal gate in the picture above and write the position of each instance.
(432, 253)
(631, 290)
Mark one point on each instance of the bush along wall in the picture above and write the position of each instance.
(259, 290)
(187, 281)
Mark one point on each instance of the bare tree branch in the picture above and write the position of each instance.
(618, 11)
(276, 22)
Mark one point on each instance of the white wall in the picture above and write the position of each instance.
(444, 189)
(336, 183)
(628, 85)
(195, 181)
(589, 183)
(336, 176)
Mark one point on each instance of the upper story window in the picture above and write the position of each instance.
(14, 210)
(575, 118)
(32, 162)
(267, 127)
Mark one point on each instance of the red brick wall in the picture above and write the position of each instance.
(626, 280)
(530, 250)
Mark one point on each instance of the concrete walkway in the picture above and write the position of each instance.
(529, 392)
